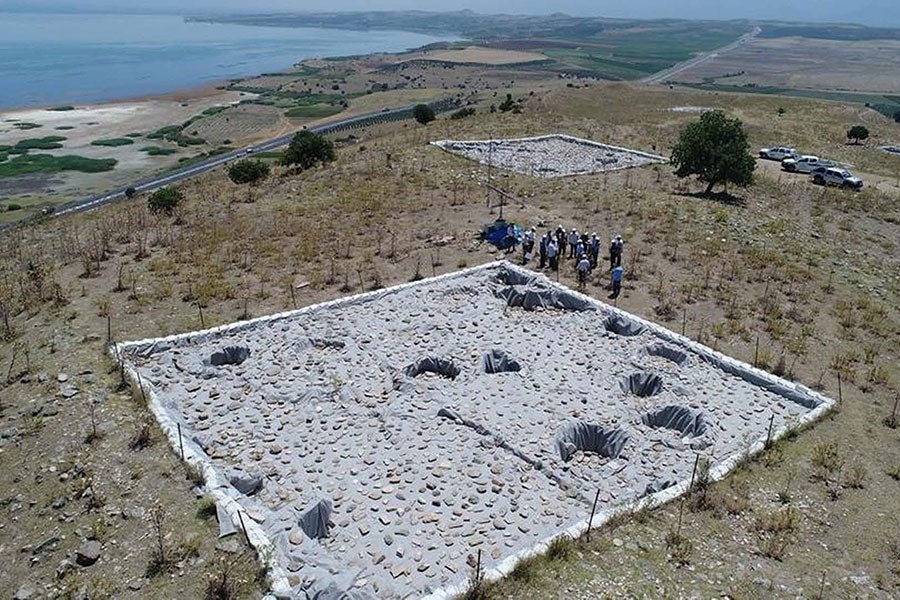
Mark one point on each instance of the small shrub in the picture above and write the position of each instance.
(164, 200)
(826, 461)
(773, 546)
(680, 548)
(894, 472)
(783, 520)
(206, 507)
(463, 113)
(142, 438)
(855, 476)
(194, 474)
(560, 548)
(190, 546)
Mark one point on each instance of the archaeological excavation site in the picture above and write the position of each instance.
(377, 445)
(554, 155)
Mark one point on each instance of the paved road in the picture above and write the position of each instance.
(157, 181)
(693, 62)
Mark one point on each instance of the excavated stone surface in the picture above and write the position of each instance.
(549, 155)
(371, 424)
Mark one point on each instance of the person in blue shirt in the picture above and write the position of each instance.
(617, 274)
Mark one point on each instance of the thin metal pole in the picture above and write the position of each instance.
(590, 522)
(180, 442)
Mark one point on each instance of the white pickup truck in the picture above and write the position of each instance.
(836, 176)
(778, 153)
(805, 164)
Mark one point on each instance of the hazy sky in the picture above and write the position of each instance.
(870, 12)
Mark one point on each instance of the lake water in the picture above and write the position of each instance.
(48, 59)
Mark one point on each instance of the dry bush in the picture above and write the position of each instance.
(826, 461)
(855, 476)
(680, 548)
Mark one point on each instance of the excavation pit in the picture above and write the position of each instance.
(498, 361)
(667, 352)
(232, 355)
(623, 326)
(584, 437)
(444, 367)
(687, 422)
(642, 385)
(453, 453)
(549, 155)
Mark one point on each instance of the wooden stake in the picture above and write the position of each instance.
(180, 442)
(680, 514)
(684, 322)
(892, 422)
(769, 433)
(694, 473)
(840, 390)
(293, 299)
(593, 508)
(756, 353)
(108, 330)
(244, 527)
(478, 569)
(141, 386)
(200, 308)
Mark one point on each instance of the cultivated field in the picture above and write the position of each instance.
(802, 63)
(799, 280)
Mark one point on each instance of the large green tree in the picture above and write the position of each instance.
(423, 113)
(248, 171)
(164, 200)
(857, 133)
(308, 149)
(716, 150)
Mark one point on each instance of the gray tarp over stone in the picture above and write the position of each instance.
(622, 326)
(642, 384)
(246, 484)
(314, 519)
(232, 355)
(689, 422)
(333, 591)
(433, 364)
(498, 361)
(535, 295)
(667, 352)
(582, 436)
(226, 525)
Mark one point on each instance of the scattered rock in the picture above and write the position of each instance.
(88, 553)
(26, 591)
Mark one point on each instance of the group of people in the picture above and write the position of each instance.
(583, 248)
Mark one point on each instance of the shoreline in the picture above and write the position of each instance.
(183, 95)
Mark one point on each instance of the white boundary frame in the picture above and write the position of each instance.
(654, 158)
(225, 495)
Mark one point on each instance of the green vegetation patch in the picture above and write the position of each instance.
(113, 142)
(213, 110)
(175, 134)
(313, 111)
(64, 108)
(50, 142)
(64, 127)
(46, 163)
(134, 135)
(157, 151)
(25, 126)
